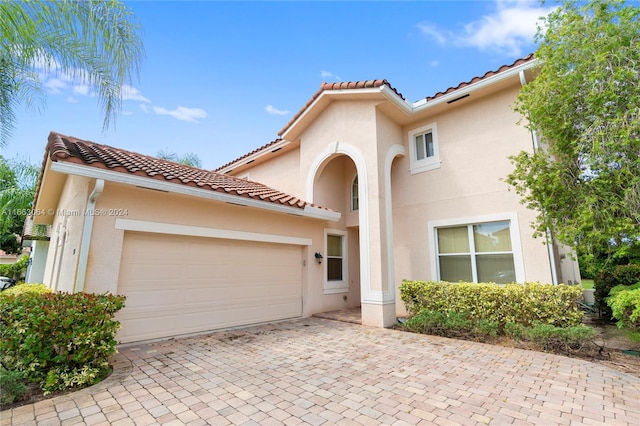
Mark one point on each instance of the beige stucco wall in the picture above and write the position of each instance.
(283, 174)
(475, 141)
(154, 206)
(62, 256)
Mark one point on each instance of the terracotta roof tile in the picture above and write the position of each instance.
(263, 147)
(345, 85)
(73, 150)
(485, 76)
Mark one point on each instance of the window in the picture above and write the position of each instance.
(355, 205)
(480, 252)
(336, 262)
(423, 145)
(334, 258)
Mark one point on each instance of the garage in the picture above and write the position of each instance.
(183, 284)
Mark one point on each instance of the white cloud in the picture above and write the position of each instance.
(144, 108)
(433, 32)
(127, 113)
(182, 113)
(81, 89)
(328, 75)
(273, 110)
(72, 100)
(434, 63)
(130, 93)
(507, 30)
(55, 85)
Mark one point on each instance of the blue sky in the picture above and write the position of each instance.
(222, 78)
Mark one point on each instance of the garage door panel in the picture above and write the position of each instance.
(179, 285)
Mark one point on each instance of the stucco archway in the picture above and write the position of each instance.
(328, 184)
(377, 295)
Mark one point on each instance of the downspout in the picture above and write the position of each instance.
(59, 251)
(85, 242)
(548, 235)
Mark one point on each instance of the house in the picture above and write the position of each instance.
(371, 189)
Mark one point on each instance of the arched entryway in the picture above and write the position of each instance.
(333, 188)
(330, 183)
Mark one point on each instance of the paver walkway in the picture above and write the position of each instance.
(316, 371)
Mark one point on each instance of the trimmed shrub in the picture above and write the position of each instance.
(450, 324)
(511, 303)
(560, 340)
(625, 306)
(57, 339)
(11, 383)
(515, 331)
(609, 278)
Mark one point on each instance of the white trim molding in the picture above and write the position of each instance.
(342, 286)
(394, 151)
(427, 163)
(363, 213)
(200, 231)
(144, 182)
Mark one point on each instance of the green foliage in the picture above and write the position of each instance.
(502, 304)
(451, 324)
(617, 289)
(563, 340)
(595, 260)
(15, 270)
(17, 188)
(515, 330)
(11, 383)
(57, 339)
(94, 42)
(560, 339)
(585, 105)
(609, 278)
(625, 306)
(188, 159)
(25, 288)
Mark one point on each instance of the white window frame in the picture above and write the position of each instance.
(357, 197)
(428, 163)
(514, 231)
(342, 286)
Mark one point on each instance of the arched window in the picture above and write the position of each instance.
(354, 194)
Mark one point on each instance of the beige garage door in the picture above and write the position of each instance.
(178, 285)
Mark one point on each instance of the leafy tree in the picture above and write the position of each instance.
(94, 42)
(585, 106)
(17, 189)
(189, 159)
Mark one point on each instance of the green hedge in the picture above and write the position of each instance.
(609, 278)
(625, 305)
(511, 303)
(59, 340)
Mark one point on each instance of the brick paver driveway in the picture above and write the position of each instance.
(315, 371)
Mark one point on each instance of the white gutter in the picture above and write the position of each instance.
(149, 183)
(85, 242)
(424, 104)
(549, 236)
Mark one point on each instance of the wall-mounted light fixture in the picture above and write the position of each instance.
(318, 258)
